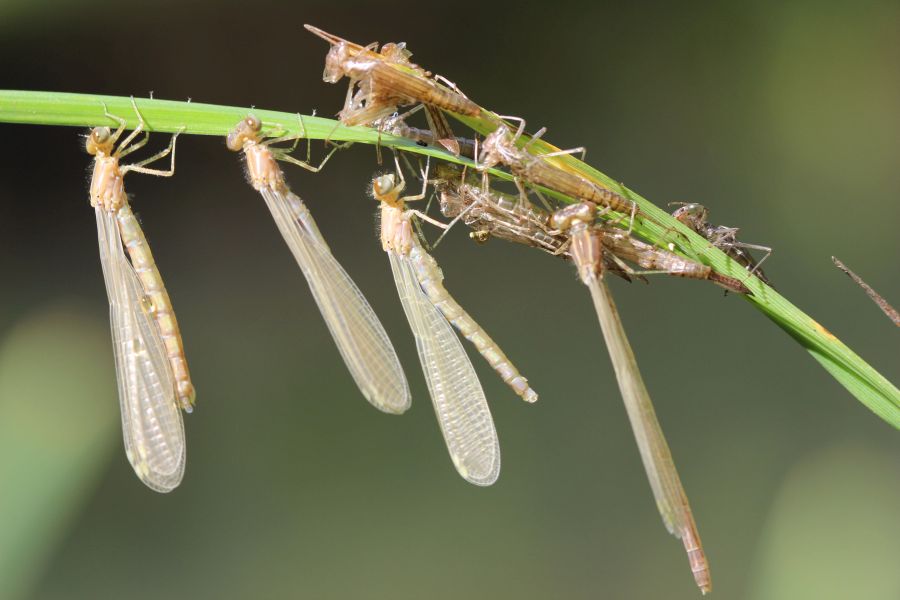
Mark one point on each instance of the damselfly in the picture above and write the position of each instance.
(151, 370)
(587, 253)
(459, 402)
(696, 217)
(357, 332)
(395, 221)
(383, 81)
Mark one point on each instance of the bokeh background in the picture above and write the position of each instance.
(782, 117)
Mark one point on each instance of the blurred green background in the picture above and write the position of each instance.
(783, 118)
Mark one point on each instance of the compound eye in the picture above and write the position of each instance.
(98, 138)
(254, 123)
(383, 185)
(100, 134)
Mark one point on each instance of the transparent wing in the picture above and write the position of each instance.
(667, 489)
(459, 402)
(357, 332)
(651, 442)
(151, 420)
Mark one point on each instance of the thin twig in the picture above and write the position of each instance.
(886, 308)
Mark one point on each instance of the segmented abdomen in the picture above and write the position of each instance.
(430, 278)
(161, 306)
(697, 558)
(653, 258)
(389, 80)
(572, 185)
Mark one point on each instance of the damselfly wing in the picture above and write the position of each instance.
(151, 419)
(459, 402)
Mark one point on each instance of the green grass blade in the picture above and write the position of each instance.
(658, 227)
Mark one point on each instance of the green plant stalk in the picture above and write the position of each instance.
(656, 225)
(167, 116)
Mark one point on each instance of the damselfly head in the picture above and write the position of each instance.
(693, 215)
(386, 188)
(499, 146)
(492, 145)
(246, 130)
(564, 218)
(396, 53)
(480, 236)
(335, 62)
(99, 140)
